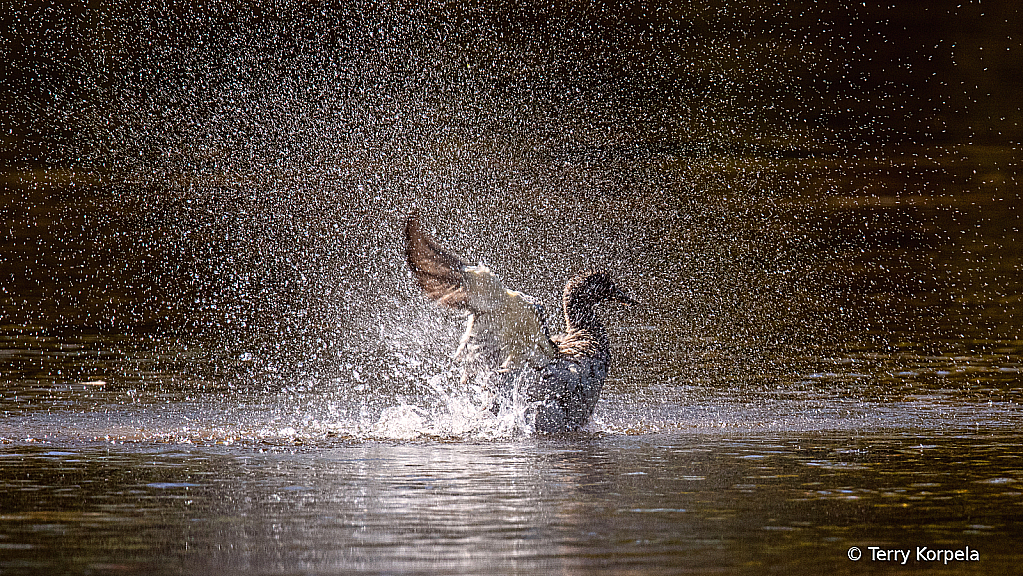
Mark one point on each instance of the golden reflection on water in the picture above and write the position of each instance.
(654, 503)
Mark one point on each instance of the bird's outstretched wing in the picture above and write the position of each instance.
(437, 271)
(505, 327)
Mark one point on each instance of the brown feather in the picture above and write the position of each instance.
(437, 271)
(575, 343)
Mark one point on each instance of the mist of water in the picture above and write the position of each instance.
(254, 167)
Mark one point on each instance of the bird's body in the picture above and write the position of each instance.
(507, 338)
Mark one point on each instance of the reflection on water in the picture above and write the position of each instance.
(653, 504)
(212, 356)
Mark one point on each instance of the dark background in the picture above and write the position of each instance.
(867, 74)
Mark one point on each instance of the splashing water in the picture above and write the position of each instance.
(260, 165)
(238, 179)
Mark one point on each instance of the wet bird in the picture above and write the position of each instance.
(507, 339)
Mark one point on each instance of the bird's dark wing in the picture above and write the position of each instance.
(437, 271)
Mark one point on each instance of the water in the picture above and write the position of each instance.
(212, 357)
(699, 502)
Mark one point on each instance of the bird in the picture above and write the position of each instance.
(508, 337)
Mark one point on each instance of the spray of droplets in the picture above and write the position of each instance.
(257, 162)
